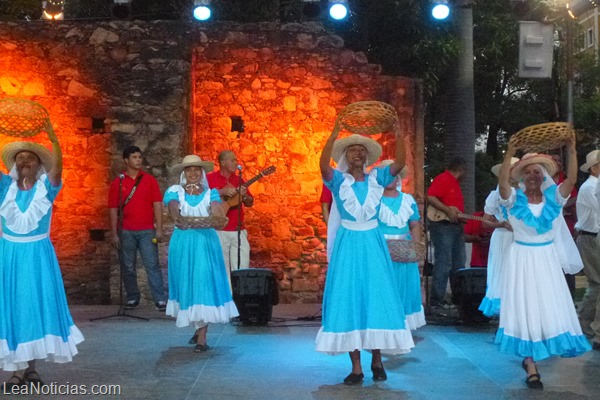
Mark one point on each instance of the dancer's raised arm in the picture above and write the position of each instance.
(326, 170)
(504, 187)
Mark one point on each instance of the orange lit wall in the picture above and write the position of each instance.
(170, 87)
(287, 83)
(29, 70)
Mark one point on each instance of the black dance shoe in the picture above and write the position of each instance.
(354, 379)
(379, 373)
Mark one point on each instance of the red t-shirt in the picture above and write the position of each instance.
(216, 180)
(480, 250)
(326, 196)
(447, 189)
(138, 213)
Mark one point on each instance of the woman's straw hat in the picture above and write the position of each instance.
(385, 163)
(373, 148)
(10, 151)
(592, 158)
(533, 158)
(193, 160)
(496, 168)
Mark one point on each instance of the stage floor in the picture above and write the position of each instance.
(152, 360)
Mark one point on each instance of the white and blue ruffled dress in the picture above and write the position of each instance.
(395, 215)
(199, 291)
(35, 322)
(537, 317)
(361, 305)
(500, 242)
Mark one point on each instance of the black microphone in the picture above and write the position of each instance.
(121, 176)
(239, 167)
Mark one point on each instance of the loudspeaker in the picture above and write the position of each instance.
(254, 293)
(468, 290)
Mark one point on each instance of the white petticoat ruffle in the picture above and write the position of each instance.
(388, 217)
(398, 341)
(50, 347)
(24, 222)
(416, 320)
(201, 313)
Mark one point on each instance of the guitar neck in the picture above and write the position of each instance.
(251, 181)
(469, 216)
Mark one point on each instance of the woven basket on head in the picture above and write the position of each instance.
(368, 117)
(212, 221)
(543, 137)
(22, 118)
(405, 251)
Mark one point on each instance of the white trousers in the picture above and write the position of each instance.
(229, 243)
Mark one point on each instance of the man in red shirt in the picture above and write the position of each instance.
(140, 227)
(447, 236)
(479, 236)
(326, 201)
(227, 181)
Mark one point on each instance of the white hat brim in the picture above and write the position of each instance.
(544, 160)
(373, 148)
(10, 151)
(207, 166)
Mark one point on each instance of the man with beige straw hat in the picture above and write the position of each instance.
(587, 226)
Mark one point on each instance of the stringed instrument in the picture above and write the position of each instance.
(435, 215)
(234, 201)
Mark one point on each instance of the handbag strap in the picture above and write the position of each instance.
(135, 185)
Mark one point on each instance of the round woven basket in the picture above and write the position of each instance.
(212, 221)
(22, 118)
(543, 137)
(405, 251)
(368, 117)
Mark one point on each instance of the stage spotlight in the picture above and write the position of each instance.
(338, 9)
(202, 10)
(440, 10)
(121, 9)
(53, 10)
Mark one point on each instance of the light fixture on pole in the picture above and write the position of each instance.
(202, 10)
(577, 7)
(53, 10)
(121, 9)
(440, 9)
(338, 9)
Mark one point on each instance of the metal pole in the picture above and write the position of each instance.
(570, 74)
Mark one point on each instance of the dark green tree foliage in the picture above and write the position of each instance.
(505, 103)
(20, 9)
(400, 36)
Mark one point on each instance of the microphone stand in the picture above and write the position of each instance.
(427, 266)
(239, 218)
(121, 312)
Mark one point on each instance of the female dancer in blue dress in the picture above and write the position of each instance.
(361, 306)
(537, 317)
(35, 322)
(399, 219)
(199, 291)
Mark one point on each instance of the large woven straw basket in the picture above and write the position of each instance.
(543, 137)
(22, 118)
(368, 117)
(212, 221)
(405, 251)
